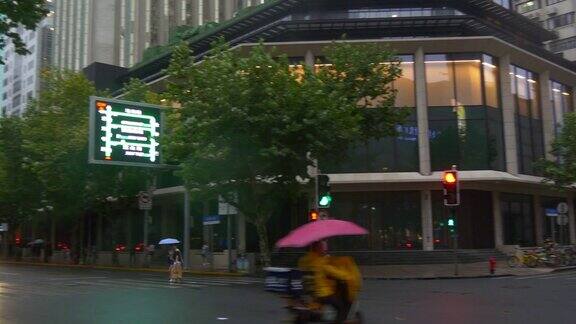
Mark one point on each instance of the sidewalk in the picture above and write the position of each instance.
(446, 271)
(138, 269)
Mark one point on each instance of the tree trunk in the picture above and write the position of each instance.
(53, 233)
(263, 242)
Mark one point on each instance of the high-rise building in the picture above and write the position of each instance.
(557, 16)
(118, 31)
(20, 79)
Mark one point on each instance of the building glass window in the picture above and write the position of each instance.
(391, 217)
(527, 6)
(561, 20)
(490, 81)
(391, 154)
(563, 44)
(474, 219)
(561, 97)
(529, 128)
(406, 95)
(503, 3)
(464, 116)
(518, 219)
(551, 2)
(453, 80)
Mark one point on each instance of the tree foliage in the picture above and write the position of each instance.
(44, 156)
(20, 191)
(250, 126)
(561, 173)
(19, 13)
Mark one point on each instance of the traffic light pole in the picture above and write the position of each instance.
(316, 195)
(455, 239)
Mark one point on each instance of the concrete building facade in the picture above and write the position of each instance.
(117, 32)
(20, 79)
(557, 16)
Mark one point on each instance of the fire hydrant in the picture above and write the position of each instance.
(492, 265)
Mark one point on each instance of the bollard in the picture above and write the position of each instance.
(492, 265)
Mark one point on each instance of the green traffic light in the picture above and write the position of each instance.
(451, 222)
(325, 201)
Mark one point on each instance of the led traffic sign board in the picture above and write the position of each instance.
(125, 133)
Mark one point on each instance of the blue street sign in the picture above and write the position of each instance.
(551, 212)
(211, 219)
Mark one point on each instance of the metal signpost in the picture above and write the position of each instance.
(552, 213)
(145, 204)
(225, 209)
(127, 133)
(562, 219)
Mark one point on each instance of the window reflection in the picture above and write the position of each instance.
(561, 97)
(464, 113)
(454, 79)
(529, 133)
(392, 219)
(406, 95)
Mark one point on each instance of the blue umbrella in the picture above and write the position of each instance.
(168, 241)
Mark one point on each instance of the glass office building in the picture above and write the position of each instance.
(484, 96)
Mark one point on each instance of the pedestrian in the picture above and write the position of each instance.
(176, 265)
(205, 252)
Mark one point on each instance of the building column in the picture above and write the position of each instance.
(547, 113)
(498, 224)
(186, 236)
(538, 220)
(422, 112)
(164, 220)
(427, 223)
(509, 116)
(571, 218)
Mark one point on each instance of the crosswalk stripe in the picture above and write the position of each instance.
(196, 283)
(131, 283)
(75, 278)
(29, 290)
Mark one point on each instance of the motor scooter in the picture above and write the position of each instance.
(294, 286)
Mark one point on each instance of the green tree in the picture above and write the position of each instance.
(561, 173)
(250, 126)
(56, 139)
(19, 13)
(20, 191)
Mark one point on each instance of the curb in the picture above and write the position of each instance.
(438, 278)
(80, 266)
(563, 269)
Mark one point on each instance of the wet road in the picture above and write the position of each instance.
(55, 295)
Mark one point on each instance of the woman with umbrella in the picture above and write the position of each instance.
(174, 260)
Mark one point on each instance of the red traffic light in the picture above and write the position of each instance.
(451, 187)
(313, 215)
(450, 177)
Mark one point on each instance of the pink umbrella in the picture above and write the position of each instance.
(319, 230)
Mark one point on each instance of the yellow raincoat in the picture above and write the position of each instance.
(327, 270)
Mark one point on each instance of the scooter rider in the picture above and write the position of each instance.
(327, 280)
